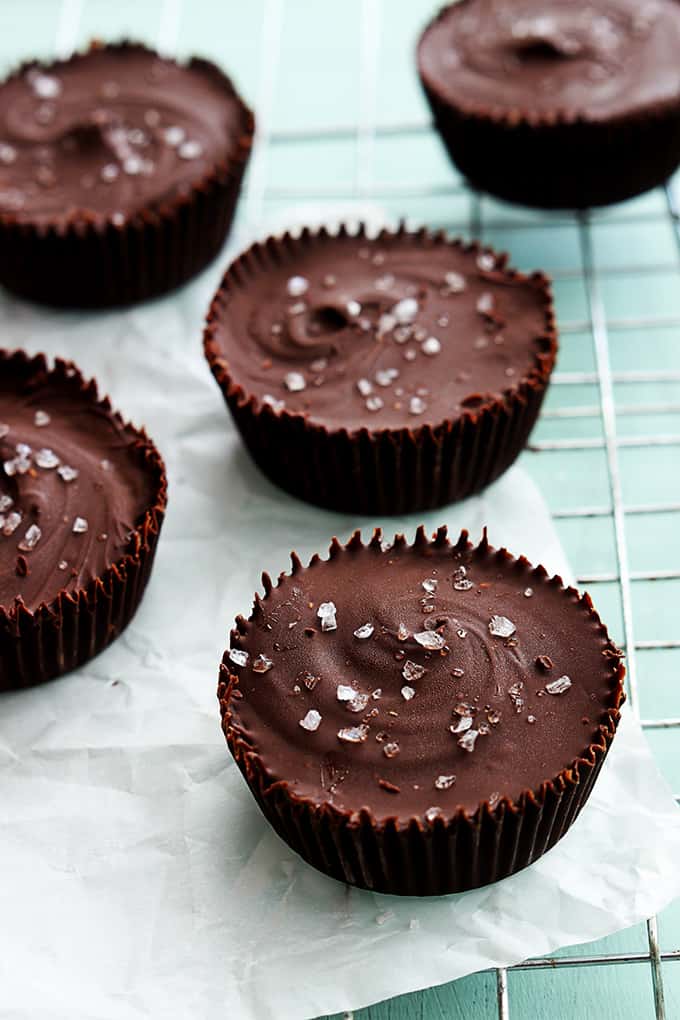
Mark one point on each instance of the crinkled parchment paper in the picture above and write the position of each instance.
(137, 877)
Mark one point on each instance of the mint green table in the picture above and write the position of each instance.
(341, 118)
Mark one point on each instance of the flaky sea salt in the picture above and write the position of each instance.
(391, 749)
(486, 262)
(364, 631)
(276, 405)
(407, 693)
(311, 721)
(294, 382)
(80, 526)
(500, 626)
(297, 286)
(468, 740)
(238, 656)
(462, 724)
(365, 387)
(516, 695)
(262, 663)
(416, 405)
(405, 310)
(374, 403)
(66, 473)
(12, 522)
(454, 283)
(430, 639)
(353, 309)
(353, 734)
(174, 136)
(485, 304)
(5, 502)
(46, 459)
(327, 614)
(345, 693)
(41, 419)
(559, 686)
(461, 582)
(386, 376)
(191, 149)
(358, 702)
(31, 538)
(444, 782)
(8, 154)
(430, 585)
(45, 86)
(431, 346)
(412, 671)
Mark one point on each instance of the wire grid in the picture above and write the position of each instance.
(365, 132)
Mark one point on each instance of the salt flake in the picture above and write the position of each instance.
(31, 538)
(294, 382)
(405, 310)
(444, 782)
(364, 632)
(407, 693)
(326, 613)
(468, 740)
(297, 286)
(262, 664)
(500, 626)
(311, 721)
(238, 656)
(430, 639)
(391, 750)
(559, 686)
(353, 734)
(431, 346)
(46, 459)
(80, 526)
(345, 692)
(412, 671)
(41, 419)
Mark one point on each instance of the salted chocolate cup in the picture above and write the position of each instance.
(553, 104)
(82, 500)
(420, 719)
(119, 174)
(381, 375)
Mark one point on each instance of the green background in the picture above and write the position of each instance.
(342, 117)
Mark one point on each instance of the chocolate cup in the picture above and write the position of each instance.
(70, 629)
(551, 161)
(381, 471)
(417, 856)
(94, 260)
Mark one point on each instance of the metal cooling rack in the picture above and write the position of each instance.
(364, 132)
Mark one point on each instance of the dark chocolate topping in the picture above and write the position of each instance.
(418, 678)
(111, 132)
(571, 58)
(388, 333)
(75, 482)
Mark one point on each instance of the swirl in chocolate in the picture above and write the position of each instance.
(73, 484)
(451, 676)
(576, 58)
(114, 130)
(388, 333)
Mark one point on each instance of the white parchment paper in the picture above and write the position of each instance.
(137, 877)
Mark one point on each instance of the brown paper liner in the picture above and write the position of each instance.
(556, 161)
(414, 856)
(93, 260)
(73, 627)
(381, 471)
